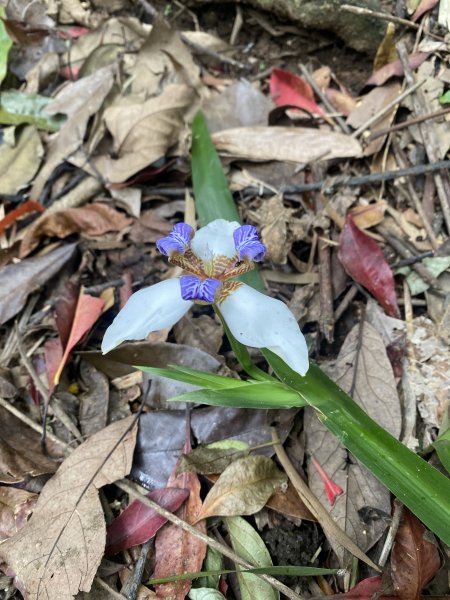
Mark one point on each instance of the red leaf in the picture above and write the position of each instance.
(423, 7)
(414, 560)
(27, 207)
(365, 590)
(289, 89)
(138, 523)
(88, 311)
(65, 308)
(396, 69)
(53, 353)
(363, 260)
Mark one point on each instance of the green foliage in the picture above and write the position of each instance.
(5, 45)
(18, 108)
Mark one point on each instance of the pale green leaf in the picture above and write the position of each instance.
(5, 45)
(18, 108)
(205, 594)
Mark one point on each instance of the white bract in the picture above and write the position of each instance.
(213, 257)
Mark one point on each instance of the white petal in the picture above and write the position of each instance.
(263, 322)
(150, 309)
(215, 239)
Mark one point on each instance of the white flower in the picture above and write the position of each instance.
(213, 256)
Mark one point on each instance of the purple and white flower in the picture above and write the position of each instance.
(212, 258)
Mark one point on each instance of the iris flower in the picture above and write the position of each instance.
(212, 258)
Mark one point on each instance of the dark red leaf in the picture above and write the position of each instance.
(396, 68)
(289, 89)
(365, 590)
(414, 559)
(53, 352)
(138, 523)
(363, 260)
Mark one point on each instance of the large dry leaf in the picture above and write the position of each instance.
(19, 280)
(15, 507)
(243, 488)
(299, 144)
(362, 369)
(80, 100)
(20, 162)
(93, 220)
(57, 553)
(143, 132)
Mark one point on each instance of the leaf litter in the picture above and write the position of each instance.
(96, 106)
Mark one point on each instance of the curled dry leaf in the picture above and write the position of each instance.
(93, 220)
(19, 280)
(243, 488)
(297, 144)
(414, 560)
(57, 553)
(363, 260)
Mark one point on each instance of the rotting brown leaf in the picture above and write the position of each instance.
(93, 220)
(207, 460)
(20, 162)
(297, 144)
(19, 280)
(15, 507)
(362, 369)
(243, 488)
(58, 551)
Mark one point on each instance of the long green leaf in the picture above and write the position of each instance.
(187, 375)
(421, 487)
(213, 199)
(253, 395)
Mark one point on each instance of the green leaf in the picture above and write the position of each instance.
(249, 546)
(252, 395)
(17, 108)
(445, 98)
(421, 487)
(205, 594)
(5, 45)
(213, 199)
(442, 445)
(187, 375)
(214, 565)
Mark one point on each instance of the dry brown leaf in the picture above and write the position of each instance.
(57, 553)
(204, 332)
(363, 368)
(387, 51)
(369, 215)
(143, 132)
(177, 551)
(297, 144)
(20, 162)
(92, 220)
(79, 100)
(15, 507)
(273, 218)
(243, 488)
(290, 504)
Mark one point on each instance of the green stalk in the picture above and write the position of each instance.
(421, 487)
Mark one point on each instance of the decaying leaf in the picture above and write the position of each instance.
(15, 507)
(20, 162)
(57, 553)
(297, 144)
(357, 370)
(19, 280)
(396, 69)
(243, 488)
(415, 559)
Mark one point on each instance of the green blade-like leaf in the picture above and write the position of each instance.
(253, 395)
(5, 45)
(18, 108)
(421, 487)
(213, 199)
(187, 375)
(442, 445)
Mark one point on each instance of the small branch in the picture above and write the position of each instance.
(357, 10)
(408, 122)
(134, 492)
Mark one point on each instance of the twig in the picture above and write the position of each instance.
(213, 54)
(381, 113)
(151, 12)
(326, 320)
(429, 138)
(339, 120)
(398, 511)
(357, 10)
(407, 123)
(131, 587)
(135, 493)
(315, 506)
(111, 592)
(345, 302)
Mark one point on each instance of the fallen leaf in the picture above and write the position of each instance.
(20, 108)
(289, 89)
(208, 460)
(53, 353)
(248, 545)
(94, 399)
(143, 132)
(5, 45)
(19, 280)
(15, 507)
(88, 310)
(357, 370)
(289, 504)
(139, 523)
(387, 52)
(243, 488)
(203, 332)
(363, 260)
(19, 163)
(365, 590)
(299, 144)
(341, 100)
(176, 550)
(424, 6)
(273, 218)
(58, 551)
(415, 559)
(92, 220)
(395, 68)
(24, 209)
(369, 215)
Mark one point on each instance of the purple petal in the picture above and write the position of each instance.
(248, 245)
(193, 288)
(178, 240)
